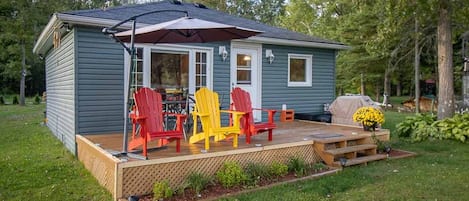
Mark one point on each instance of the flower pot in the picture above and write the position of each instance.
(369, 128)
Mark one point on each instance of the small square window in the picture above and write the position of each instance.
(300, 70)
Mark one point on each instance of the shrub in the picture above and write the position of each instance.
(456, 127)
(15, 100)
(198, 181)
(256, 172)
(417, 128)
(37, 99)
(278, 169)
(298, 166)
(162, 190)
(319, 166)
(231, 174)
(2, 100)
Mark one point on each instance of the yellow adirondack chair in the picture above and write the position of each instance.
(207, 109)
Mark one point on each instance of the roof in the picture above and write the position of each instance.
(110, 16)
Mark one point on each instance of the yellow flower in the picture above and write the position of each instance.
(368, 116)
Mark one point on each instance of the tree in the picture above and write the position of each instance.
(445, 62)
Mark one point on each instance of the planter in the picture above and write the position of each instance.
(369, 128)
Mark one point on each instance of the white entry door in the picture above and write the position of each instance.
(245, 65)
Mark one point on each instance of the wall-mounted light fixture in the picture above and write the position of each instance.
(222, 52)
(269, 55)
(66, 26)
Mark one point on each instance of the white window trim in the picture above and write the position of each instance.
(309, 70)
(147, 48)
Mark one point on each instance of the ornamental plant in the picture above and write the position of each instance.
(368, 116)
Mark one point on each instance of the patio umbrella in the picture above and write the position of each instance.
(186, 30)
(182, 30)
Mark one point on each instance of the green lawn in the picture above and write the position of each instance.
(35, 166)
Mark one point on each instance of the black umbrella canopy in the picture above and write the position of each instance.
(187, 30)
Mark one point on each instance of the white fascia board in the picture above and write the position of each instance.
(277, 41)
(45, 34)
(60, 18)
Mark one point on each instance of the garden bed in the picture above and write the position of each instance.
(217, 191)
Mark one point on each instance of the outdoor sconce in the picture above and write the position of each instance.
(222, 52)
(343, 161)
(269, 55)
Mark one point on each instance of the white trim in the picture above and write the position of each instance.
(46, 34)
(309, 70)
(278, 41)
(258, 48)
(191, 50)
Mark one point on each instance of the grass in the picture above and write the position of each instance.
(438, 172)
(34, 165)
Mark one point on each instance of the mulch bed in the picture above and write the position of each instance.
(396, 153)
(216, 191)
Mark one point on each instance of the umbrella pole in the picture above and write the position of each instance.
(131, 51)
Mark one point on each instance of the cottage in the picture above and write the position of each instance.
(85, 69)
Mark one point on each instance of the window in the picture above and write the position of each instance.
(243, 69)
(200, 70)
(170, 69)
(300, 70)
(137, 73)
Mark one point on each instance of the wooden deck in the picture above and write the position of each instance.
(286, 132)
(124, 176)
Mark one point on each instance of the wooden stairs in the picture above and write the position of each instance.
(353, 147)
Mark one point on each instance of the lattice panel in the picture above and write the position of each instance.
(139, 180)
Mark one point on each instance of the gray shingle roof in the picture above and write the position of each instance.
(123, 12)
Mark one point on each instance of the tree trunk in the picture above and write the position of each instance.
(445, 62)
(417, 67)
(23, 73)
(362, 84)
(399, 88)
(387, 86)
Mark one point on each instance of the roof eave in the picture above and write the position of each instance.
(278, 41)
(59, 18)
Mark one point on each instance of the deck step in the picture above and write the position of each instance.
(339, 139)
(362, 160)
(350, 149)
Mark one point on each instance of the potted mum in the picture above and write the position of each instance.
(369, 117)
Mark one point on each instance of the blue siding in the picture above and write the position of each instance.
(60, 87)
(275, 90)
(100, 83)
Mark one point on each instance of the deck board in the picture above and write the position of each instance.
(286, 132)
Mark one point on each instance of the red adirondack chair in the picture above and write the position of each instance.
(242, 103)
(149, 115)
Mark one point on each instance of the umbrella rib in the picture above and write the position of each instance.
(241, 36)
(164, 35)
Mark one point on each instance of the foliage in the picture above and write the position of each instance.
(37, 99)
(417, 128)
(420, 127)
(278, 169)
(161, 190)
(298, 166)
(198, 181)
(15, 100)
(319, 166)
(456, 127)
(255, 172)
(231, 174)
(35, 165)
(438, 173)
(368, 116)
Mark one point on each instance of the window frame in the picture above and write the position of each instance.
(308, 71)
